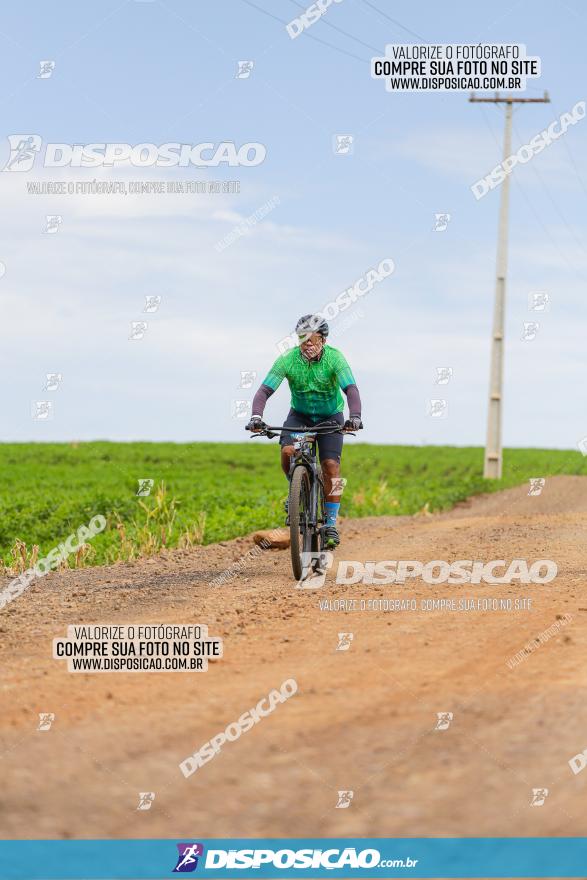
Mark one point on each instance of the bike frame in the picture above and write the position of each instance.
(305, 453)
(305, 456)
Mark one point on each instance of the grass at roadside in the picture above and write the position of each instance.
(206, 492)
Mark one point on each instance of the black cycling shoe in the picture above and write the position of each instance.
(331, 538)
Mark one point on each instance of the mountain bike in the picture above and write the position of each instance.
(306, 511)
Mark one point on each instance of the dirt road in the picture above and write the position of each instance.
(363, 719)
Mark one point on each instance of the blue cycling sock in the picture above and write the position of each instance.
(331, 512)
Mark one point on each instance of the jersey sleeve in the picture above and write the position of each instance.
(343, 372)
(276, 374)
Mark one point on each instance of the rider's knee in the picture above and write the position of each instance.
(330, 466)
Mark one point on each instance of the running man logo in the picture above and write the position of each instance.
(338, 485)
(342, 144)
(530, 330)
(244, 69)
(46, 69)
(138, 329)
(23, 150)
(539, 795)
(344, 641)
(42, 410)
(441, 222)
(146, 799)
(46, 719)
(247, 378)
(187, 859)
(444, 719)
(53, 381)
(241, 409)
(437, 408)
(145, 487)
(537, 484)
(443, 375)
(538, 300)
(152, 303)
(315, 564)
(344, 799)
(52, 223)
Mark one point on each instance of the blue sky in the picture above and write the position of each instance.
(158, 72)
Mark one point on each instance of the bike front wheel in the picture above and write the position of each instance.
(299, 520)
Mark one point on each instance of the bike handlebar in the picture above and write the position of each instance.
(269, 431)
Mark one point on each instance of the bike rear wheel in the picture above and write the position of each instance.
(299, 516)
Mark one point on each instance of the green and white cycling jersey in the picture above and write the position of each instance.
(314, 385)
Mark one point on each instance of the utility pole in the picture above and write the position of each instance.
(493, 451)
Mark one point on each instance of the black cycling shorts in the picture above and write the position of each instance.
(329, 445)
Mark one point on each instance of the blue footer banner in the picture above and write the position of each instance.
(283, 857)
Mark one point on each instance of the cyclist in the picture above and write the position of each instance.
(316, 372)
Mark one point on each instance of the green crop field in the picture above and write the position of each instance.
(205, 492)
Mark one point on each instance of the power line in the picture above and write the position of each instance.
(554, 203)
(394, 21)
(340, 30)
(572, 160)
(564, 259)
(310, 36)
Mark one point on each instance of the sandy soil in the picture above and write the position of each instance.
(363, 719)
